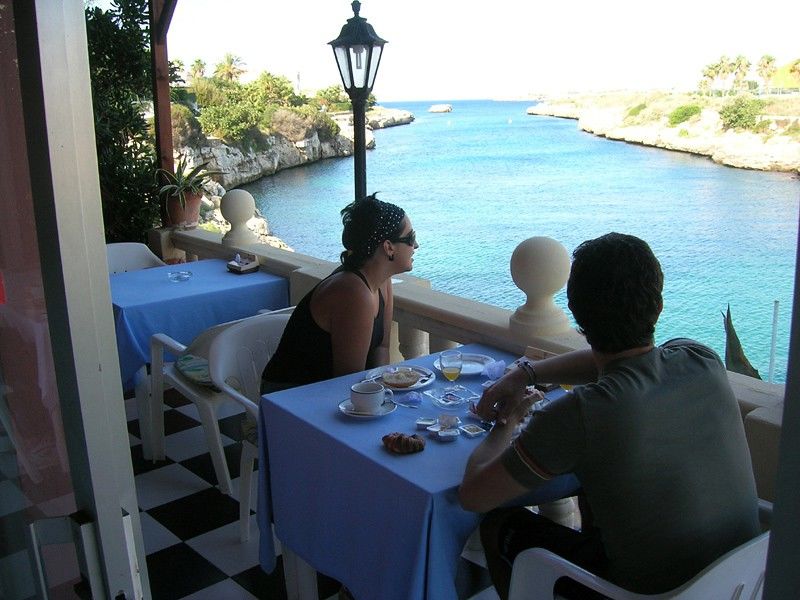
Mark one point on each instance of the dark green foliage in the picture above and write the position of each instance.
(637, 109)
(119, 62)
(683, 113)
(741, 113)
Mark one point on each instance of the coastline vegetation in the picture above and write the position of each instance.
(222, 106)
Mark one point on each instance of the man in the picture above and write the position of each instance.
(653, 434)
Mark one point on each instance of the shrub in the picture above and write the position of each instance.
(119, 66)
(683, 133)
(741, 113)
(794, 131)
(186, 129)
(637, 109)
(683, 114)
(292, 124)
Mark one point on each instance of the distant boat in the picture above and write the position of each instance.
(441, 108)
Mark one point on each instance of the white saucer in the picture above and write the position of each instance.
(346, 408)
(471, 364)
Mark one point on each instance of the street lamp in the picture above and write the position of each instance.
(358, 52)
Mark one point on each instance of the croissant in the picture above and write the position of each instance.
(400, 443)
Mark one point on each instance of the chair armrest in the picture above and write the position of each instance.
(241, 399)
(159, 341)
(536, 571)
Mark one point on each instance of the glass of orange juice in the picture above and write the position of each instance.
(450, 362)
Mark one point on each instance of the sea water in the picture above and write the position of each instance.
(481, 179)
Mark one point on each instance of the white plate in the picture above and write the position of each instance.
(471, 364)
(426, 377)
(346, 408)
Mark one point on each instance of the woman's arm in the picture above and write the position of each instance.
(380, 355)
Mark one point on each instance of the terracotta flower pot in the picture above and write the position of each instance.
(184, 217)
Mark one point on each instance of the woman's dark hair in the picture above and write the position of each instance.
(367, 223)
(614, 292)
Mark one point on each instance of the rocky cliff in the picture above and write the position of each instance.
(243, 165)
(703, 134)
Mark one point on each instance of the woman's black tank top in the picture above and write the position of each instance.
(305, 353)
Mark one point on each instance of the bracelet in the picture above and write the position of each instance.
(527, 366)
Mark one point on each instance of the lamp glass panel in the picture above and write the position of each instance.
(359, 59)
(344, 66)
(373, 65)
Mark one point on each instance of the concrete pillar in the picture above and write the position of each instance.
(238, 207)
(540, 268)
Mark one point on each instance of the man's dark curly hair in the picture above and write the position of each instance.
(614, 292)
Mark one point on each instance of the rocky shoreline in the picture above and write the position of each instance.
(245, 165)
(703, 135)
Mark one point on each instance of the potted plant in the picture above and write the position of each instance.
(182, 190)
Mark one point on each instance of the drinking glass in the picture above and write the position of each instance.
(450, 362)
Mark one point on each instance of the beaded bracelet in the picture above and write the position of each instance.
(527, 366)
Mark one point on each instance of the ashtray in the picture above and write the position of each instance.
(452, 398)
(179, 275)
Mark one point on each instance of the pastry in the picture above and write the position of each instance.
(400, 443)
(402, 378)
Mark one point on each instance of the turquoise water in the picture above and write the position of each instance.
(481, 179)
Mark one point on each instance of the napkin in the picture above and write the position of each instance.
(412, 399)
(494, 369)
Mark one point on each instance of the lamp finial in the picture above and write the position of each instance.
(356, 5)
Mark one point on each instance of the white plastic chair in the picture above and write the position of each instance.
(238, 356)
(737, 575)
(165, 375)
(130, 256)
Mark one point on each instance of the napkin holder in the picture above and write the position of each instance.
(243, 264)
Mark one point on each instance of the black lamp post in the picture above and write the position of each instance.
(358, 52)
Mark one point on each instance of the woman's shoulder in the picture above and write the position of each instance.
(344, 285)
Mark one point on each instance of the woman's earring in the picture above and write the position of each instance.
(391, 257)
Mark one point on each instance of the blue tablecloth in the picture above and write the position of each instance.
(147, 302)
(387, 526)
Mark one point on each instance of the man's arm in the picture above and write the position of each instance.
(486, 483)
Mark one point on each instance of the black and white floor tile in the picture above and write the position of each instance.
(191, 529)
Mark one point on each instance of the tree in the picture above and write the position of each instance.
(766, 69)
(119, 67)
(274, 89)
(709, 77)
(724, 68)
(795, 68)
(197, 70)
(230, 69)
(741, 67)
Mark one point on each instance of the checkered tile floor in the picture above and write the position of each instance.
(190, 529)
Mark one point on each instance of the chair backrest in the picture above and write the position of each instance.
(130, 256)
(239, 354)
(736, 575)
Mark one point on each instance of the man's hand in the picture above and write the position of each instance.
(503, 397)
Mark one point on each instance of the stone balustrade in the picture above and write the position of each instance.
(427, 320)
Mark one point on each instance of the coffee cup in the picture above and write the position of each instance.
(368, 396)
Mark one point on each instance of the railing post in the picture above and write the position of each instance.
(539, 267)
(437, 344)
(238, 207)
(411, 342)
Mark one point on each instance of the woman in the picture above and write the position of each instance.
(342, 325)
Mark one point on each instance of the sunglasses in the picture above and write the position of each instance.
(409, 239)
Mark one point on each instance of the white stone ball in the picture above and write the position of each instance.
(237, 206)
(540, 266)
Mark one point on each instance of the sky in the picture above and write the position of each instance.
(460, 49)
